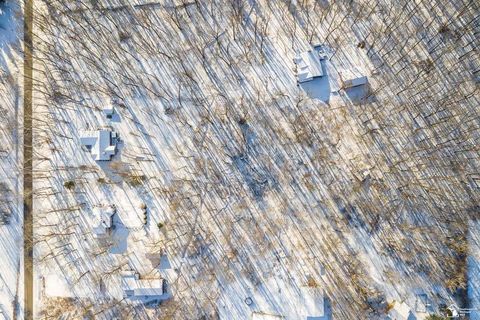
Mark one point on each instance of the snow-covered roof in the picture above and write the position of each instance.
(108, 110)
(134, 287)
(149, 292)
(100, 143)
(355, 82)
(102, 220)
(353, 78)
(308, 65)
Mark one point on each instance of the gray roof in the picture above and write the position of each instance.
(355, 82)
(308, 65)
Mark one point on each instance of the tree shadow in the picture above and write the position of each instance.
(360, 94)
(9, 26)
(119, 236)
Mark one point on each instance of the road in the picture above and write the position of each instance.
(27, 160)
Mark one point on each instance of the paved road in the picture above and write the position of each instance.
(27, 162)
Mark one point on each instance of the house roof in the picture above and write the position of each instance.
(308, 65)
(102, 220)
(108, 110)
(142, 287)
(148, 291)
(100, 142)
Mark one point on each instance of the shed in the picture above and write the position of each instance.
(101, 143)
(352, 77)
(308, 66)
(355, 82)
(108, 110)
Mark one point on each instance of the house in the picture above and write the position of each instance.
(145, 290)
(102, 220)
(308, 66)
(101, 143)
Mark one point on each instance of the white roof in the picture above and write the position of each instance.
(100, 142)
(148, 292)
(141, 288)
(353, 77)
(108, 110)
(308, 65)
(88, 138)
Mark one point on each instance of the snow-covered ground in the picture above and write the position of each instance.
(11, 285)
(254, 187)
(474, 270)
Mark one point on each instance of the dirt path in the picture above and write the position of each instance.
(27, 162)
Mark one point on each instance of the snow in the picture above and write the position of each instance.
(400, 311)
(56, 286)
(9, 27)
(473, 267)
(265, 316)
(242, 167)
(277, 297)
(11, 240)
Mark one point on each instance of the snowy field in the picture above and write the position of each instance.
(11, 285)
(264, 198)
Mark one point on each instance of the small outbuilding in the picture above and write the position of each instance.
(101, 143)
(308, 66)
(108, 110)
(352, 78)
(355, 82)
